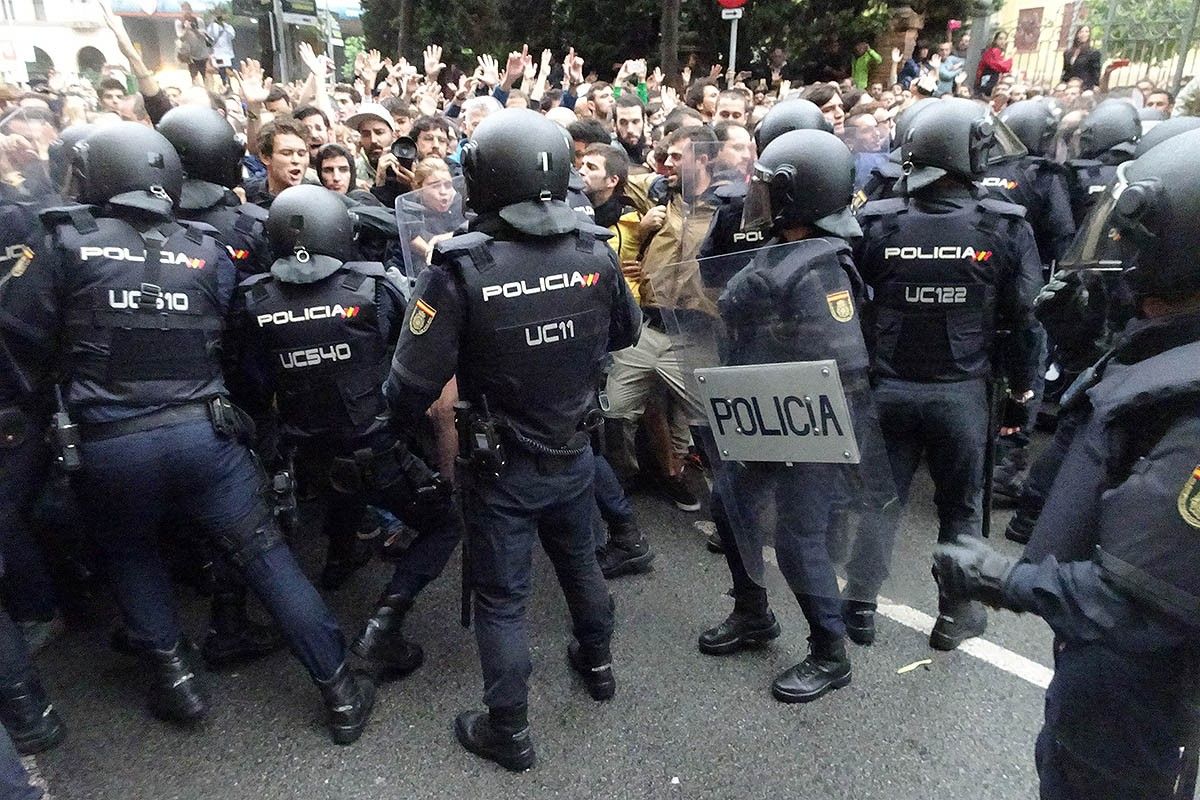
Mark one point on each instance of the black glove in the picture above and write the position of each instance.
(1014, 414)
(970, 570)
(1072, 312)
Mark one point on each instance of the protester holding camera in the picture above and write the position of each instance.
(384, 163)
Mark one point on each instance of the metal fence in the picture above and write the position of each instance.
(1162, 48)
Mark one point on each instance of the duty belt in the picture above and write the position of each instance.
(172, 415)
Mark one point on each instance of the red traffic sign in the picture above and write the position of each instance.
(731, 3)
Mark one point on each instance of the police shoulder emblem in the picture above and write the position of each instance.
(422, 317)
(840, 306)
(23, 263)
(1189, 499)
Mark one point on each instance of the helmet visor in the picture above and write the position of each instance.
(1006, 145)
(758, 213)
(1099, 244)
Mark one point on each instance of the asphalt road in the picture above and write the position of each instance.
(683, 725)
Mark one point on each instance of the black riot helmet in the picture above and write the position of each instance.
(311, 230)
(1034, 123)
(790, 115)
(803, 178)
(1145, 225)
(954, 137)
(206, 143)
(130, 166)
(62, 151)
(518, 164)
(906, 118)
(1167, 129)
(1113, 123)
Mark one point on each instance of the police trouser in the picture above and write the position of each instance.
(14, 668)
(611, 500)
(1044, 470)
(1120, 726)
(135, 482)
(28, 587)
(535, 497)
(439, 529)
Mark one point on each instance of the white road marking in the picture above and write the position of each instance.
(989, 652)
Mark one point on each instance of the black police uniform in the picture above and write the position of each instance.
(317, 342)
(237, 225)
(946, 268)
(1039, 186)
(525, 323)
(140, 344)
(1088, 178)
(881, 183)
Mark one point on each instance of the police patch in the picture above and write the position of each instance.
(422, 318)
(22, 263)
(1189, 500)
(840, 306)
(858, 201)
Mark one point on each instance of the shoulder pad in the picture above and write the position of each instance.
(601, 233)
(371, 268)
(254, 280)
(729, 191)
(201, 227)
(257, 213)
(880, 208)
(455, 246)
(993, 206)
(1084, 163)
(60, 215)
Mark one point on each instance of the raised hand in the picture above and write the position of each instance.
(251, 83)
(516, 65)
(433, 62)
(686, 74)
(656, 78)
(573, 66)
(311, 60)
(714, 71)
(669, 98)
(374, 62)
(489, 70)
(530, 69)
(895, 55)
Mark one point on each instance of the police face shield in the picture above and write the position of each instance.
(1005, 145)
(427, 216)
(774, 369)
(708, 180)
(1101, 245)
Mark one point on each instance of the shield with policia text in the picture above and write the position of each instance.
(427, 216)
(772, 353)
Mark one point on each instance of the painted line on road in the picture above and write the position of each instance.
(989, 652)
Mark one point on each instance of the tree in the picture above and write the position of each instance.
(1144, 31)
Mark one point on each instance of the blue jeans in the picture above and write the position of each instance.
(534, 497)
(186, 472)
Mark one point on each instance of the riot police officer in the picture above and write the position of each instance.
(212, 162)
(881, 183)
(946, 268)
(1107, 138)
(314, 339)
(131, 305)
(726, 236)
(523, 308)
(795, 301)
(1111, 565)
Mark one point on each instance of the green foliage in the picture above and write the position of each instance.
(353, 46)
(1143, 30)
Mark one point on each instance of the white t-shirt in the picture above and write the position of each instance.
(222, 35)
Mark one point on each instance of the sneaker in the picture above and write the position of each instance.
(676, 489)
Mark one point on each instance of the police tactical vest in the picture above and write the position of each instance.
(1087, 181)
(328, 357)
(935, 282)
(1015, 182)
(241, 228)
(137, 334)
(538, 315)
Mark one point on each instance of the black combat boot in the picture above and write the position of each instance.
(29, 717)
(751, 624)
(956, 623)
(233, 638)
(1009, 476)
(594, 665)
(382, 642)
(349, 698)
(627, 551)
(826, 668)
(500, 735)
(175, 693)
(859, 617)
(1020, 527)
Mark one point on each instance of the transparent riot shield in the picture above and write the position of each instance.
(428, 215)
(27, 138)
(775, 361)
(708, 187)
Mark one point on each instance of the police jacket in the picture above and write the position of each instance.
(726, 247)
(1088, 178)
(1040, 186)
(796, 302)
(19, 210)
(133, 316)
(525, 321)
(1113, 557)
(881, 183)
(239, 226)
(946, 269)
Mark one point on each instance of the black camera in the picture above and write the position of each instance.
(405, 151)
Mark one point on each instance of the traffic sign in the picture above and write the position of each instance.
(731, 13)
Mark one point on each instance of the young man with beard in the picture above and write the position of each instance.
(605, 171)
(316, 123)
(630, 127)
